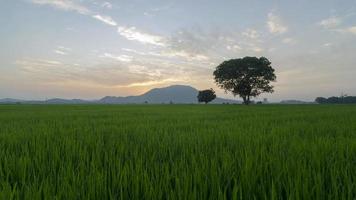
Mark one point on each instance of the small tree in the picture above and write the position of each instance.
(321, 100)
(206, 96)
(247, 77)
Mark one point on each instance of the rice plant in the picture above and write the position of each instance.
(177, 152)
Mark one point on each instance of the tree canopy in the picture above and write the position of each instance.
(336, 100)
(247, 77)
(206, 96)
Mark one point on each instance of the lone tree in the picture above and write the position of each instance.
(247, 77)
(206, 96)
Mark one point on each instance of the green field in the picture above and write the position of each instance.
(177, 152)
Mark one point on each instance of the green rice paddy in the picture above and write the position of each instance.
(177, 152)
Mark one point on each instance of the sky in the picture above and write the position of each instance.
(93, 48)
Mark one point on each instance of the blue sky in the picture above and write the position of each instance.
(93, 48)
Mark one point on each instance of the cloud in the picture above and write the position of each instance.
(64, 48)
(66, 5)
(256, 49)
(106, 19)
(46, 70)
(122, 58)
(275, 24)
(251, 33)
(167, 53)
(38, 62)
(184, 46)
(107, 5)
(331, 22)
(69, 5)
(105, 75)
(183, 54)
(61, 50)
(195, 41)
(156, 82)
(131, 33)
(134, 51)
(291, 41)
(153, 11)
(234, 47)
(351, 30)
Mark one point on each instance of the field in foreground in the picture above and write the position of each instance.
(177, 152)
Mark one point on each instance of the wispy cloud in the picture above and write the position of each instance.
(153, 11)
(348, 30)
(168, 53)
(107, 5)
(330, 22)
(43, 70)
(234, 47)
(61, 50)
(131, 33)
(291, 41)
(251, 33)
(106, 19)
(38, 62)
(351, 30)
(184, 55)
(67, 5)
(108, 74)
(256, 49)
(275, 24)
(64, 48)
(155, 82)
(121, 58)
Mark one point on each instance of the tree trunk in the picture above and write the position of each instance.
(246, 100)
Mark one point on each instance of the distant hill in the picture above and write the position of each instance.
(8, 100)
(66, 101)
(178, 94)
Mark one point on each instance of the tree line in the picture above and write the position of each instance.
(344, 99)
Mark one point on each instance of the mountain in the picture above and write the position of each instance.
(178, 94)
(8, 100)
(66, 101)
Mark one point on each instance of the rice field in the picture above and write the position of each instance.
(177, 152)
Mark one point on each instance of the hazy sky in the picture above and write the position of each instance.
(93, 48)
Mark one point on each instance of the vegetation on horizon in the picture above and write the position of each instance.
(177, 152)
(343, 99)
(206, 96)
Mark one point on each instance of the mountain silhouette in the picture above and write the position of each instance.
(178, 94)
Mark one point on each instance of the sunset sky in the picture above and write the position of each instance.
(92, 48)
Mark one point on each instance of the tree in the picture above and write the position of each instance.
(321, 100)
(247, 77)
(206, 96)
(343, 99)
